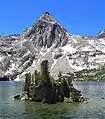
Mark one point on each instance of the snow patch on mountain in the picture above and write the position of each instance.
(68, 48)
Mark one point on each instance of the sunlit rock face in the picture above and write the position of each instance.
(47, 39)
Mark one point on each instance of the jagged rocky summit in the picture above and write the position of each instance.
(47, 39)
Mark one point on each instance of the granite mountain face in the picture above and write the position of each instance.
(47, 39)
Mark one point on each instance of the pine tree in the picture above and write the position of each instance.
(27, 81)
(38, 78)
(45, 71)
(59, 76)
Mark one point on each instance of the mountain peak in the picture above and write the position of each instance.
(47, 18)
(46, 31)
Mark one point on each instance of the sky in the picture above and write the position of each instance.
(80, 17)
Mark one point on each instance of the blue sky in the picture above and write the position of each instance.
(84, 17)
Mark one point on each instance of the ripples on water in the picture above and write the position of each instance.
(94, 109)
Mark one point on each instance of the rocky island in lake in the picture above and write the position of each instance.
(42, 87)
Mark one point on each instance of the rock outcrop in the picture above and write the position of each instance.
(101, 34)
(4, 79)
(41, 87)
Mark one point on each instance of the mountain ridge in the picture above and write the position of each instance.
(47, 39)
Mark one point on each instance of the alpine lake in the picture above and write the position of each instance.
(94, 109)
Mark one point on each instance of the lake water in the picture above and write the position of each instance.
(94, 109)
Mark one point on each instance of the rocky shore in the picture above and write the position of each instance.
(4, 78)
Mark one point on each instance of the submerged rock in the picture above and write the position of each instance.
(85, 102)
(68, 100)
(17, 97)
(24, 97)
(102, 98)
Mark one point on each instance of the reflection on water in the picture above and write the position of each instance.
(44, 111)
(94, 109)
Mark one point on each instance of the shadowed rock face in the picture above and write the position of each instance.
(47, 39)
(45, 32)
(4, 79)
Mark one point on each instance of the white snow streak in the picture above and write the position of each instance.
(68, 48)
